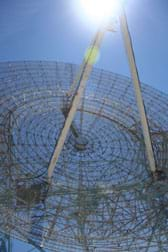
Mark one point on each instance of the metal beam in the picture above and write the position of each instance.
(84, 75)
(137, 87)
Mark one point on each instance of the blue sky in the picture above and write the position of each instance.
(58, 30)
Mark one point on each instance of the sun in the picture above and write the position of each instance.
(100, 10)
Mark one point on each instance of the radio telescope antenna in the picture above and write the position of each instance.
(83, 167)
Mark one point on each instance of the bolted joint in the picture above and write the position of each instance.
(159, 175)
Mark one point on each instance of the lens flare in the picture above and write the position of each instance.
(92, 55)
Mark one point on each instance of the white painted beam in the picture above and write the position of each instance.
(84, 75)
(137, 87)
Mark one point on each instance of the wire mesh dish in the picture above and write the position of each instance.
(102, 197)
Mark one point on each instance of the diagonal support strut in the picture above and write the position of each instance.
(84, 75)
(137, 88)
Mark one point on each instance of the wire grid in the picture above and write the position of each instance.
(102, 197)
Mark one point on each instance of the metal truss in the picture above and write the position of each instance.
(103, 196)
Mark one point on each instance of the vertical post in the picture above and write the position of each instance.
(9, 244)
(137, 87)
(5, 243)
